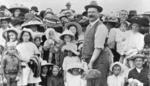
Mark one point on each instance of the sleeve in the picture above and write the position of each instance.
(3, 64)
(130, 75)
(100, 36)
(111, 36)
(141, 43)
(64, 65)
(108, 81)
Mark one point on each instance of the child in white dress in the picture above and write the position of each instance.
(27, 49)
(116, 79)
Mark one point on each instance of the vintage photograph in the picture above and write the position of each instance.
(74, 43)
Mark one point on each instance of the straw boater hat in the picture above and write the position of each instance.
(138, 56)
(74, 65)
(117, 63)
(44, 63)
(110, 19)
(93, 4)
(91, 74)
(18, 6)
(10, 30)
(67, 32)
(78, 26)
(71, 47)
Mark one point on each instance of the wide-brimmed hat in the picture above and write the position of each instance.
(78, 26)
(74, 65)
(5, 17)
(91, 74)
(44, 63)
(67, 32)
(71, 47)
(19, 6)
(110, 19)
(26, 30)
(10, 30)
(93, 4)
(117, 63)
(34, 8)
(147, 13)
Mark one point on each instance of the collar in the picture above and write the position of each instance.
(92, 23)
(139, 70)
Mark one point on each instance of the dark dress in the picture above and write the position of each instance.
(55, 81)
(43, 80)
(142, 77)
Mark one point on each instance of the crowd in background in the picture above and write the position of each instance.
(45, 49)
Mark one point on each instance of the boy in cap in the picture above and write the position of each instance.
(139, 72)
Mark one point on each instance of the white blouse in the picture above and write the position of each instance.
(27, 50)
(115, 80)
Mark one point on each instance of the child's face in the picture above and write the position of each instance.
(116, 70)
(123, 27)
(73, 29)
(69, 53)
(37, 42)
(5, 24)
(55, 71)
(51, 34)
(11, 50)
(12, 36)
(44, 69)
(139, 62)
(26, 36)
(135, 27)
(75, 71)
(67, 38)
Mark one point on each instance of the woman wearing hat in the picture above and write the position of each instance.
(18, 10)
(134, 42)
(75, 28)
(94, 52)
(33, 23)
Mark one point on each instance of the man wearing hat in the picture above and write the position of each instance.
(34, 10)
(68, 5)
(94, 52)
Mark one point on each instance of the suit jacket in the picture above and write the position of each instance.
(142, 76)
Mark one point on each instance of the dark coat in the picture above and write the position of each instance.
(143, 76)
(55, 81)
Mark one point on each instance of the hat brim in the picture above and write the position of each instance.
(100, 9)
(9, 30)
(138, 56)
(5, 18)
(78, 26)
(62, 36)
(118, 63)
(48, 64)
(23, 9)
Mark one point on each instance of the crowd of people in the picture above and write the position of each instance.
(69, 49)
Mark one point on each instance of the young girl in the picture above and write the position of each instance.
(50, 44)
(37, 41)
(27, 49)
(116, 79)
(67, 37)
(75, 71)
(11, 35)
(56, 78)
(45, 73)
(72, 57)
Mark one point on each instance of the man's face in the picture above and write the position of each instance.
(93, 14)
(139, 62)
(123, 15)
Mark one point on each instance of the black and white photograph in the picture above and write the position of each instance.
(74, 42)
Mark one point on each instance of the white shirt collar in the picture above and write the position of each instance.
(92, 23)
(139, 70)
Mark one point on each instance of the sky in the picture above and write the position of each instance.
(78, 5)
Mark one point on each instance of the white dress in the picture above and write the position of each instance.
(115, 80)
(26, 51)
